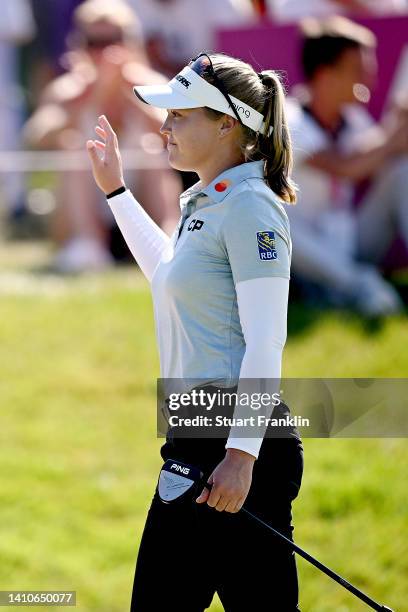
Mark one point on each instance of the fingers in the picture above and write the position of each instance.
(230, 507)
(105, 157)
(221, 504)
(202, 498)
(100, 132)
(205, 493)
(234, 505)
(226, 504)
(93, 153)
(106, 126)
(214, 499)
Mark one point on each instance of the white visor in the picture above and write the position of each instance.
(188, 90)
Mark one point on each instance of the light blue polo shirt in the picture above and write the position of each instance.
(233, 230)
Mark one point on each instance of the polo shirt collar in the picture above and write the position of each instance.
(227, 180)
(220, 187)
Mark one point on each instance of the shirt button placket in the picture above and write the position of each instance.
(189, 208)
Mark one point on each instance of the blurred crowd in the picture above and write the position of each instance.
(62, 64)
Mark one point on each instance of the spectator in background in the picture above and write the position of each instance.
(41, 57)
(293, 10)
(337, 145)
(107, 59)
(176, 30)
(16, 27)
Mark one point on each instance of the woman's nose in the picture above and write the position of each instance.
(165, 128)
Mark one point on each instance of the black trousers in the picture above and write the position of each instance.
(189, 551)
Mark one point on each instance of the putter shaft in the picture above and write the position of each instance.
(347, 585)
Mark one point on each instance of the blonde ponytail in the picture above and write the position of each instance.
(264, 92)
(276, 148)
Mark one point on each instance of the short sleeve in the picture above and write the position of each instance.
(256, 239)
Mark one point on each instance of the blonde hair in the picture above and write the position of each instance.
(265, 93)
(116, 12)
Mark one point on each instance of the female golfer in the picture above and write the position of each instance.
(220, 291)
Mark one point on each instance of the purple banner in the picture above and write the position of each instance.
(278, 47)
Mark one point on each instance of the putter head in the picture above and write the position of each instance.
(178, 480)
(386, 609)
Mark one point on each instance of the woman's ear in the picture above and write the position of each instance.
(227, 125)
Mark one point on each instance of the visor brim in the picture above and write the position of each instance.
(163, 96)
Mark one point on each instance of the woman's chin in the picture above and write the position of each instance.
(175, 162)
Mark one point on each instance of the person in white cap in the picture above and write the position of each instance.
(220, 290)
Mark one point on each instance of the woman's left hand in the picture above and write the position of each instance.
(231, 481)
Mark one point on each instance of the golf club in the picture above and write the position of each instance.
(177, 480)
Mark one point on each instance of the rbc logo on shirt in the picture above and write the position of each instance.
(266, 245)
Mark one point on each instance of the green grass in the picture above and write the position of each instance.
(79, 457)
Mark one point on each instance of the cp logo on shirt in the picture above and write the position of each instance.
(195, 224)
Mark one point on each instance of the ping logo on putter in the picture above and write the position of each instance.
(176, 479)
(180, 468)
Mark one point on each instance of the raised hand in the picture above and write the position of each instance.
(105, 157)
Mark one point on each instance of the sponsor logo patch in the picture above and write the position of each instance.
(222, 185)
(266, 245)
(195, 224)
